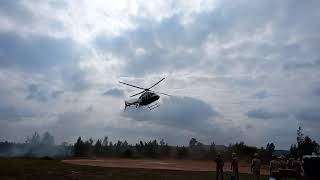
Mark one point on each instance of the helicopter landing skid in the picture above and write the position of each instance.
(153, 106)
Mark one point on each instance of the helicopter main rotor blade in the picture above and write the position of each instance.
(161, 93)
(137, 93)
(156, 83)
(131, 85)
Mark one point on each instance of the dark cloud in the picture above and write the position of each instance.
(249, 126)
(187, 114)
(56, 94)
(302, 65)
(316, 91)
(261, 94)
(309, 114)
(183, 112)
(71, 124)
(37, 92)
(16, 11)
(89, 109)
(42, 93)
(36, 53)
(114, 92)
(10, 113)
(265, 114)
(76, 79)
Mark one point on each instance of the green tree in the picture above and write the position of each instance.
(305, 145)
(212, 151)
(162, 142)
(182, 152)
(140, 148)
(308, 146)
(34, 140)
(47, 139)
(300, 136)
(105, 141)
(78, 147)
(242, 148)
(98, 148)
(164, 148)
(293, 150)
(88, 147)
(193, 142)
(151, 149)
(213, 147)
(270, 148)
(105, 144)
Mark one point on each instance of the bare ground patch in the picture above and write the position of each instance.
(182, 165)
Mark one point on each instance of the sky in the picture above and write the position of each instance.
(238, 70)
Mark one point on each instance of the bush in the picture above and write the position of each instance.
(128, 153)
(46, 158)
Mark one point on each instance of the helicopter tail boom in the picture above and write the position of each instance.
(126, 104)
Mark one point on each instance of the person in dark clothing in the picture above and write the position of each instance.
(297, 166)
(235, 165)
(219, 165)
(256, 166)
(274, 167)
(311, 166)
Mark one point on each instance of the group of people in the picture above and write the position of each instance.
(276, 164)
(220, 164)
(282, 163)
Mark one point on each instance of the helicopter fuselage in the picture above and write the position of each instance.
(145, 99)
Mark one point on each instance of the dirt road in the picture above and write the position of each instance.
(182, 165)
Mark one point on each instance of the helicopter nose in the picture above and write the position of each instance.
(157, 96)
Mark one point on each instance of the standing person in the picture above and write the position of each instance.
(290, 163)
(235, 165)
(297, 166)
(255, 166)
(219, 165)
(274, 167)
(283, 162)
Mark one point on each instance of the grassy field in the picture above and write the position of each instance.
(35, 169)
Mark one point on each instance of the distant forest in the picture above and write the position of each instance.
(44, 146)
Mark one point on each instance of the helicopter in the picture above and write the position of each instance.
(147, 96)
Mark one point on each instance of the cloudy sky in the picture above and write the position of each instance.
(239, 70)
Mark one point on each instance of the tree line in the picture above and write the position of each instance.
(106, 148)
(195, 149)
(44, 145)
(36, 145)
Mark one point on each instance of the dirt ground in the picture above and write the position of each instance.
(183, 165)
